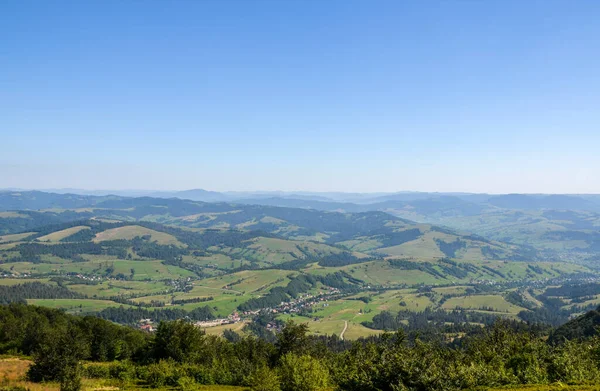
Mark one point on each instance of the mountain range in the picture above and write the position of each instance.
(562, 227)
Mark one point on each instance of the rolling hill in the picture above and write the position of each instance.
(529, 222)
(118, 257)
(373, 232)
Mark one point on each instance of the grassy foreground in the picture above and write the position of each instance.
(13, 372)
(550, 387)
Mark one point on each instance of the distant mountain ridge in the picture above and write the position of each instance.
(506, 201)
(374, 232)
(563, 226)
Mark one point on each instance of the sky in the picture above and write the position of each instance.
(337, 95)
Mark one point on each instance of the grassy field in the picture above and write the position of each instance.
(424, 248)
(331, 315)
(59, 235)
(18, 281)
(147, 269)
(330, 326)
(225, 301)
(218, 330)
(131, 231)
(396, 300)
(15, 237)
(13, 371)
(229, 291)
(272, 251)
(497, 302)
(210, 275)
(13, 374)
(115, 288)
(451, 290)
(196, 292)
(75, 306)
(249, 281)
(357, 330)
(381, 273)
(220, 261)
(8, 246)
(223, 304)
(9, 215)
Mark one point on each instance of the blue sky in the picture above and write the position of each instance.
(337, 95)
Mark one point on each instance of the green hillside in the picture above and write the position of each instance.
(375, 233)
(131, 258)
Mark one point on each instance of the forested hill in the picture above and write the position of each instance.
(584, 326)
(558, 226)
(34, 200)
(374, 232)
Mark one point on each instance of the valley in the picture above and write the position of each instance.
(128, 259)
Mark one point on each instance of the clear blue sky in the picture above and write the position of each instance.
(482, 96)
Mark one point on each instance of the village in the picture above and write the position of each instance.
(303, 303)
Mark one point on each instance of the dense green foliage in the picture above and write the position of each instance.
(444, 268)
(131, 316)
(450, 248)
(579, 328)
(34, 290)
(341, 259)
(179, 354)
(430, 320)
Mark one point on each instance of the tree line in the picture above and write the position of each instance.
(180, 355)
(35, 290)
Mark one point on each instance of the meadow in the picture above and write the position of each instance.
(13, 371)
(380, 263)
(62, 234)
(80, 306)
(129, 232)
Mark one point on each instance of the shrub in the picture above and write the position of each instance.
(575, 362)
(96, 371)
(200, 374)
(121, 370)
(264, 379)
(164, 373)
(302, 373)
(187, 383)
(70, 379)
(158, 374)
(57, 359)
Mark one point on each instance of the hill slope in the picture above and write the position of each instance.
(375, 232)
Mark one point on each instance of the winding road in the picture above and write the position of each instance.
(344, 330)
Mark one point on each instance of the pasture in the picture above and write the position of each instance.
(76, 306)
(60, 235)
(116, 288)
(248, 281)
(129, 232)
(479, 302)
(15, 237)
(139, 270)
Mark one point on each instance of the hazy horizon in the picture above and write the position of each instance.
(269, 192)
